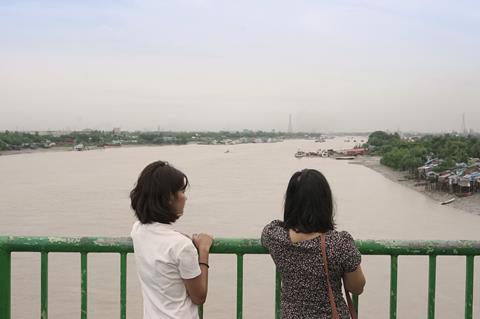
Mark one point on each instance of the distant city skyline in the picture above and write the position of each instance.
(463, 129)
(119, 129)
(201, 65)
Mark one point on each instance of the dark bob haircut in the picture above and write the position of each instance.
(308, 203)
(151, 197)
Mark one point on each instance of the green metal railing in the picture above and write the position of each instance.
(239, 247)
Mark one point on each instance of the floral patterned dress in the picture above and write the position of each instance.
(304, 285)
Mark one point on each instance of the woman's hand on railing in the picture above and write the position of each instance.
(202, 241)
(197, 287)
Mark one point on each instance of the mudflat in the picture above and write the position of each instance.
(469, 204)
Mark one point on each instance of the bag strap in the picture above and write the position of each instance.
(325, 267)
(353, 313)
(351, 309)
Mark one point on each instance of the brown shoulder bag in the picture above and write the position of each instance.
(353, 313)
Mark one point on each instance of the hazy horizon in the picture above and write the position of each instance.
(325, 133)
(200, 65)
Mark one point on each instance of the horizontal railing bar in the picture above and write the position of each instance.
(235, 246)
(419, 247)
(67, 244)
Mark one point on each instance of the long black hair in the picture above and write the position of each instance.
(308, 203)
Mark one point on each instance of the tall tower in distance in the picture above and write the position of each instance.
(290, 128)
(464, 127)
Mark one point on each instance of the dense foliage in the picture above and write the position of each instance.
(408, 154)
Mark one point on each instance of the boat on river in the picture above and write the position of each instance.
(345, 157)
(79, 147)
(451, 200)
(300, 154)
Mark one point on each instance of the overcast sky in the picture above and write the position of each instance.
(212, 65)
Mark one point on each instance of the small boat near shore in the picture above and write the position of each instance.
(345, 157)
(464, 194)
(79, 147)
(451, 200)
(300, 154)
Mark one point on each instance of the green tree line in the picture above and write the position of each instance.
(404, 154)
(16, 140)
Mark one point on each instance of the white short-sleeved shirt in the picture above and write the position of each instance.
(163, 258)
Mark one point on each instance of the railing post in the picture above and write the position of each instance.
(239, 286)
(5, 283)
(469, 288)
(123, 285)
(355, 302)
(278, 294)
(432, 272)
(393, 286)
(44, 285)
(84, 285)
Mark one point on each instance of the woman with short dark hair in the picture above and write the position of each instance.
(172, 268)
(309, 289)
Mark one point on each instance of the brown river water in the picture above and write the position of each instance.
(232, 194)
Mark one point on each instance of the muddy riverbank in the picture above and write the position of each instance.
(469, 204)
